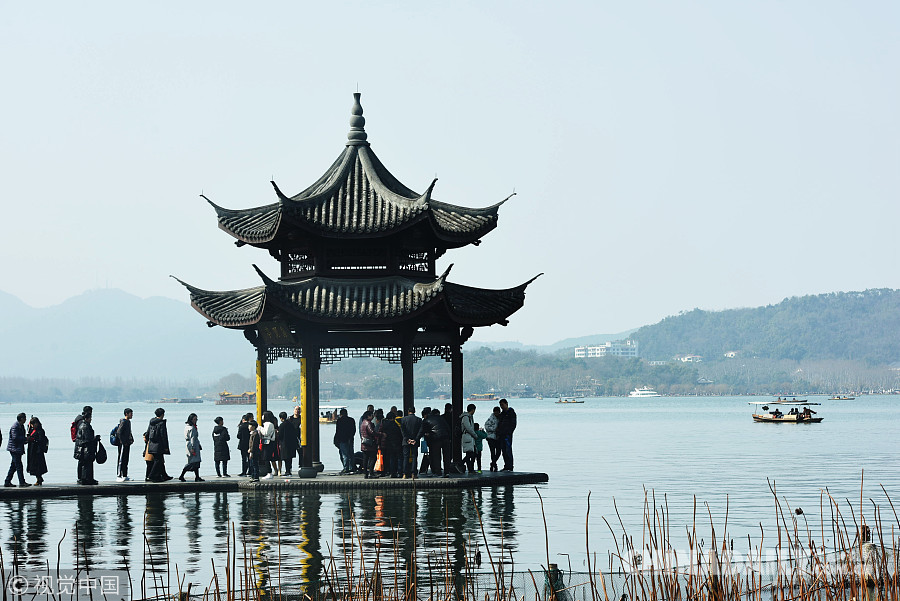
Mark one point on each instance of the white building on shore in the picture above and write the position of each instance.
(616, 348)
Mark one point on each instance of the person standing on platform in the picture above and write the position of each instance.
(439, 444)
(253, 451)
(243, 446)
(126, 439)
(369, 409)
(425, 438)
(391, 444)
(410, 425)
(86, 450)
(16, 448)
(469, 436)
(289, 431)
(490, 429)
(344, 433)
(220, 447)
(368, 443)
(158, 446)
(268, 434)
(192, 448)
(480, 437)
(505, 430)
(38, 445)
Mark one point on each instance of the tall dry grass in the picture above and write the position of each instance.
(850, 554)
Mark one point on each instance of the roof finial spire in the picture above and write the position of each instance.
(357, 135)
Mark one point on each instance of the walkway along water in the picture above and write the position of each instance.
(326, 482)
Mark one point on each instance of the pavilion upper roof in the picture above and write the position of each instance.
(357, 302)
(357, 197)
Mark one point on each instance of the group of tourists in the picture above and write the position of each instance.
(389, 444)
(269, 449)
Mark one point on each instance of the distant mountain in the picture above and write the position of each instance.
(111, 334)
(861, 326)
(551, 348)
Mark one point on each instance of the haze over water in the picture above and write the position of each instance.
(615, 449)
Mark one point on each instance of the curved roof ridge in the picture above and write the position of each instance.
(229, 308)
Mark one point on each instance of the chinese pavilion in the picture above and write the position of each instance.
(357, 252)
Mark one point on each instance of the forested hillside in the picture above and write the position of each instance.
(858, 326)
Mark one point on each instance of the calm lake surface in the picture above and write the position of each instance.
(618, 450)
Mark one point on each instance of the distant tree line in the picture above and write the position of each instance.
(852, 326)
(830, 343)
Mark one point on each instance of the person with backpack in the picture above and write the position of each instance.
(86, 450)
(158, 446)
(122, 438)
(220, 447)
(38, 445)
(16, 448)
(73, 429)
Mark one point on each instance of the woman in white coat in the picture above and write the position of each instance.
(192, 447)
(467, 424)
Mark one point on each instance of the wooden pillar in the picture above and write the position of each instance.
(304, 403)
(262, 401)
(456, 383)
(313, 363)
(409, 392)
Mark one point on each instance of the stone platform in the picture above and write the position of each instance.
(323, 482)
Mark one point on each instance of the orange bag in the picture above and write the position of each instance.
(379, 462)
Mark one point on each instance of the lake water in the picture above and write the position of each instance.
(619, 450)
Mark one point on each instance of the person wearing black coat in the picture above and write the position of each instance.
(439, 442)
(86, 450)
(126, 439)
(289, 438)
(16, 448)
(158, 446)
(391, 444)
(425, 436)
(344, 433)
(410, 426)
(505, 428)
(220, 447)
(243, 446)
(36, 463)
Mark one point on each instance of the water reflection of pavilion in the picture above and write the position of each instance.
(279, 536)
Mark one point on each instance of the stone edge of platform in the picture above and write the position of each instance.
(322, 483)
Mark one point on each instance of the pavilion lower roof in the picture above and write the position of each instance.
(346, 301)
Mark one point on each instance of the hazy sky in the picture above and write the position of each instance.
(665, 156)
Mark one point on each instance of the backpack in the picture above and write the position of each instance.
(74, 428)
(114, 436)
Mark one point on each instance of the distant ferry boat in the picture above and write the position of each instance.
(484, 396)
(191, 400)
(644, 392)
(227, 398)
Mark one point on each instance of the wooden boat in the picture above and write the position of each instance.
(799, 412)
(329, 414)
(482, 396)
(568, 401)
(842, 398)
